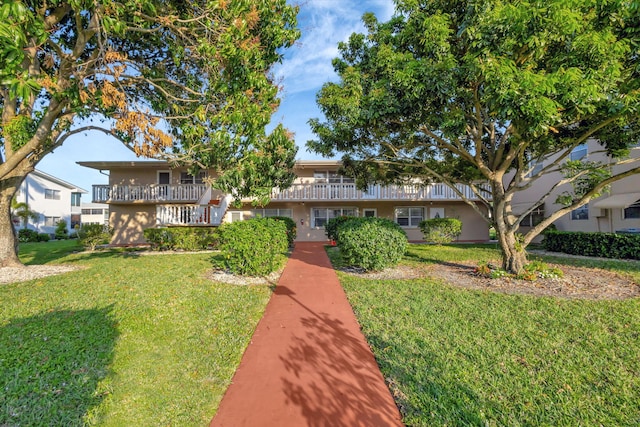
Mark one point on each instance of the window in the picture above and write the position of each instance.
(633, 211)
(534, 218)
(236, 216)
(579, 152)
(332, 177)
(51, 221)
(534, 168)
(581, 212)
(186, 178)
(85, 211)
(409, 217)
(320, 216)
(51, 194)
(75, 199)
(266, 213)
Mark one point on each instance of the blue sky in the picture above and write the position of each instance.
(306, 67)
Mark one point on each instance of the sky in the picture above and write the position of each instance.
(305, 68)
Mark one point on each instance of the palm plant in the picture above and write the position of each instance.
(21, 210)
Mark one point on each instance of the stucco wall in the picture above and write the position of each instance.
(130, 221)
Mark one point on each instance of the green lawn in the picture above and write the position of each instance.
(458, 357)
(128, 339)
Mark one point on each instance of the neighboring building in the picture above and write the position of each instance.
(53, 199)
(151, 194)
(94, 213)
(619, 210)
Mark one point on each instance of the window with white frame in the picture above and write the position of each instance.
(332, 177)
(236, 216)
(320, 216)
(534, 218)
(581, 212)
(187, 178)
(535, 166)
(75, 199)
(51, 194)
(579, 152)
(633, 211)
(409, 216)
(266, 213)
(51, 221)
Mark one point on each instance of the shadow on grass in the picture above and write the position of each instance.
(428, 392)
(51, 365)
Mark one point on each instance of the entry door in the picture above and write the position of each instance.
(164, 179)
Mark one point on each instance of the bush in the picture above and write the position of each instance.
(43, 237)
(606, 245)
(61, 232)
(292, 230)
(253, 247)
(181, 238)
(92, 235)
(331, 227)
(25, 235)
(371, 243)
(441, 230)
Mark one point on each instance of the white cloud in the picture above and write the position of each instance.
(323, 23)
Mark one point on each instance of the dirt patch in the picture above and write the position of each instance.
(577, 282)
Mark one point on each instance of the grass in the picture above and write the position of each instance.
(127, 337)
(471, 358)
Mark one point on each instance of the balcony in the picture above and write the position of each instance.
(340, 192)
(153, 193)
(192, 193)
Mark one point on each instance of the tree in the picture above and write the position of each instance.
(476, 92)
(22, 211)
(185, 81)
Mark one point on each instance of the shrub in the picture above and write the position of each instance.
(292, 230)
(606, 245)
(441, 230)
(61, 232)
(371, 243)
(25, 235)
(253, 247)
(331, 227)
(92, 235)
(184, 238)
(43, 237)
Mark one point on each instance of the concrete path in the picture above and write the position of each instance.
(307, 364)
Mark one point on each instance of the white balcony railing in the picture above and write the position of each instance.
(192, 193)
(192, 214)
(149, 193)
(309, 192)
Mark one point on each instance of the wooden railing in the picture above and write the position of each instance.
(148, 193)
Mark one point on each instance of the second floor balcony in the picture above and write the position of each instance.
(191, 193)
(151, 193)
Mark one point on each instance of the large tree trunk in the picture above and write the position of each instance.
(514, 256)
(8, 238)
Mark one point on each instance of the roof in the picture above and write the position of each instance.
(300, 164)
(617, 201)
(58, 181)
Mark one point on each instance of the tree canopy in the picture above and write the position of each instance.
(185, 81)
(476, 92)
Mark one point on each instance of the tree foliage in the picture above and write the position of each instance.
(185, 81)
(476, 92)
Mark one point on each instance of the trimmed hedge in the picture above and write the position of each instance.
(606, 245)
(441, 230)
(331, 227)
(292, 229)
(371, 243)
(253, 247)
(182, 238)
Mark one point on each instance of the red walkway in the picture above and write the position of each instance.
(308, 363)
